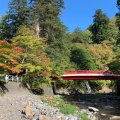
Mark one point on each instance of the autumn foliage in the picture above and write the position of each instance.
(9, 57)
(33, 58)
(102, 54)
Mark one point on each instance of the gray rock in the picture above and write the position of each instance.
(103, 114)
(34, 109)
(93, 109)
(115, 118)
(38, 106)
(73, 118)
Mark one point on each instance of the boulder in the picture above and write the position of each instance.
(115, 118)
(93, 109)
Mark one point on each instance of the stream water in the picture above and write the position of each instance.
(107, 103)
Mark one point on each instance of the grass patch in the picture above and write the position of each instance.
(65, 108)
(68, 109)
(83, 116)
(58, 102)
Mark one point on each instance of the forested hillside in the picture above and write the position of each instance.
(35, 44)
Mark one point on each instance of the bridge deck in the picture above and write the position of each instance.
(89, 75)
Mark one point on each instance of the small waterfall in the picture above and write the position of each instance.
(88, 87)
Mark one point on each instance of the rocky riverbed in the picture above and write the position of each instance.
(13, 106)
(96, 106)
(107, 104)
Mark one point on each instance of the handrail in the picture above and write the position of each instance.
(91, 71)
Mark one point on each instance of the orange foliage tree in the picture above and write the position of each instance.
(9, 57)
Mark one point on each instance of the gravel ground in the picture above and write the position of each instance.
(12, 103)
(15, 100)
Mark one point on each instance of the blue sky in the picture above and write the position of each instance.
(78, 13)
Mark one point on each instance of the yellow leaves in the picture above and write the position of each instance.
(26, 39)
(102, 54)
(30, 67)
(33, 56)
(25, 32)
(30, 44)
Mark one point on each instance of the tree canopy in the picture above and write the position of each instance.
(99, 27)
(33, 38)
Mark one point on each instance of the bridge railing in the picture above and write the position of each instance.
(91, 71)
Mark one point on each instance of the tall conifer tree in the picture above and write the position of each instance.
(118, 21)
(17, 16)
(99, 27)
(46, 21)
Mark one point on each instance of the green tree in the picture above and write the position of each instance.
(82, 58)
(118, 43)
(115, 64)
(79, 36)
(5, 31)
(47, 24)
(118, 21)
(17, 16)
(87, 36)
(46, 21)
(83, 61)
(99, 27)
(117, 46)
(112, 30)
(33, 59)
(59, 53)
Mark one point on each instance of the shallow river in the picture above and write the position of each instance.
(108, 104)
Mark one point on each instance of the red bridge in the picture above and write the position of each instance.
(89, 75)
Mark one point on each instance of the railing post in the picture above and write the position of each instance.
(17, 78)
(6, 78)
(12, 78)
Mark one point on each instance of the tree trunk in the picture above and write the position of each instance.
(36, 27)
